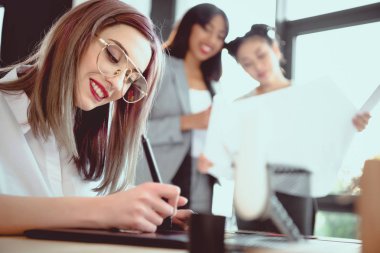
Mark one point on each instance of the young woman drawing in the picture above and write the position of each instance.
(72, 117)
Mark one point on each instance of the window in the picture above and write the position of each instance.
(350, 57)
(342, 44)
(297, 9)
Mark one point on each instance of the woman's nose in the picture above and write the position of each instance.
(116, 82)
(117, 72)
(214, 40)
(258, 66)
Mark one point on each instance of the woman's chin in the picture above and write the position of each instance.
(85, 106)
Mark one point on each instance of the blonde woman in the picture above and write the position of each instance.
(72, 117)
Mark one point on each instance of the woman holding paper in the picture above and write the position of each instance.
(258, 52)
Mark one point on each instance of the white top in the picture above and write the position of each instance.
(29, 165)
(200, 100)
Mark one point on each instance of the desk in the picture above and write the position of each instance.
(322, 245)
(20, 244)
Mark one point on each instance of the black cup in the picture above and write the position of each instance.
(207, 233)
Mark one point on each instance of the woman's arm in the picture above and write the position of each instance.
(21, 213)
(169, 129)
(141, 208)
(196, 121)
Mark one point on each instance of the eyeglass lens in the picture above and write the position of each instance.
(112, 62)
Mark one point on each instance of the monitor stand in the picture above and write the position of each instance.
(296, 178)
(283, 221)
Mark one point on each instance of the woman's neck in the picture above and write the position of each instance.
(191, 63)
(275, 84)
(194, 73)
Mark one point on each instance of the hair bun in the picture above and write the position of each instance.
(233, 46)
(262, 30)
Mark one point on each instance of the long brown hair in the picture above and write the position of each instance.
(50, 85)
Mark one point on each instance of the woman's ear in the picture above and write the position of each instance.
(277, 51)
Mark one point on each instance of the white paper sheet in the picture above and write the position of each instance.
(372, 101)
(306, 126)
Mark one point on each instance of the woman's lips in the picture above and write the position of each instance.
(205, 49)
(98, 90)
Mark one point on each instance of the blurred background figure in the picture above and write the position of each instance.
(179, 118)
(259, 54)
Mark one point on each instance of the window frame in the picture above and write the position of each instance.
(289, 30)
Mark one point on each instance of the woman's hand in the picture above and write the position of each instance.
(182, 218)
(204, 164)
(196, 121)
(360, 121)
(142, 208)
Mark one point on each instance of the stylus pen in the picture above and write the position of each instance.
(152, 164)
(155, 173)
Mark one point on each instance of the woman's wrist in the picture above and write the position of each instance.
(90, 212)
(186, 122)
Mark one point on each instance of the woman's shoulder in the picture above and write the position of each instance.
(10, 76)
(248, 95)
(15, 73)
(173, 61)
(173, 68)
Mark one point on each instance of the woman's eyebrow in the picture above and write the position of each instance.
(125, 51)
(221, 32)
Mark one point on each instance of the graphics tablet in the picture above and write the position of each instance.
(234, 241)
(164, 239)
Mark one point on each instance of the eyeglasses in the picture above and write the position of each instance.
(113, 61)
